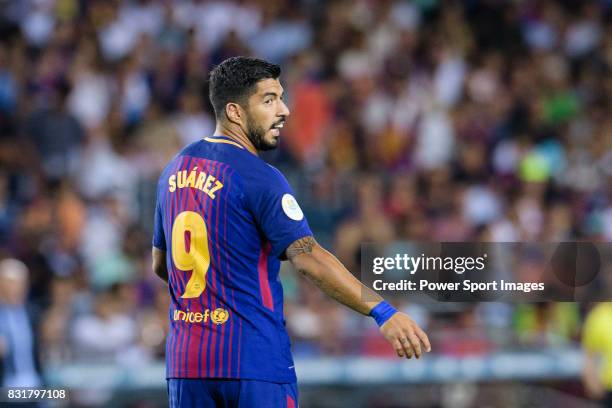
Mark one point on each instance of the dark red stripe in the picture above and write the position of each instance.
(202, 356)
(214, 327)
(264, 283)
(212, 335)
(230, 345)
(217, 328)
(170, 346)
(221, 278)
(180, 278)
(186, 275)
(167, 232)
(177, 275)
(290, 402)
(206, 333)
(239, 351)
(191, 205)
(170, 338)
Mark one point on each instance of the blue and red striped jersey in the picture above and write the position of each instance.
(224, 217)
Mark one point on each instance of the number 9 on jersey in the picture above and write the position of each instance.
(190, 251)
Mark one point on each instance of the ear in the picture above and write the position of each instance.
(234, 113)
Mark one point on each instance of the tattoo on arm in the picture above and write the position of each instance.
(327, 272)
(300, 246)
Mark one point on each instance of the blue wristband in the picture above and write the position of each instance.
(382, 312)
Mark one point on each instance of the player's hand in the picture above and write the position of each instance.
(407, 338)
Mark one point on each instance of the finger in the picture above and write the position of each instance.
(423, 337)
(407, 347)
(415, 343)
(398, 348)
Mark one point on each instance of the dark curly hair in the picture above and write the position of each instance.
(234, 81)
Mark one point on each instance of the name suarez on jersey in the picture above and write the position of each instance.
(195, 179)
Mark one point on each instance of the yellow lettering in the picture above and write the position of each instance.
(200, 183)
(208, 183)
(206, 312)
(198, 317)
(181, 315)
(191, 179)
(218, 186)
(172, 183)
(180, 181)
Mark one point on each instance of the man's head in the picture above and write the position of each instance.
(245, 92)
(13, 282)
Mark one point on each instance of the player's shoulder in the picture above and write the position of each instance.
(259, 174)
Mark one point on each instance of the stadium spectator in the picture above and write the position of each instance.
(18, 348)
(106, 335)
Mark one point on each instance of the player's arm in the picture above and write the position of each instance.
(159, 264)
(328, 273)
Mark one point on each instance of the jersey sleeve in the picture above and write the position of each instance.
(159, 240)
(276, 211)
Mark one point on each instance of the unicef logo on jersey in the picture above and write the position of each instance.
(292, 208)
(219, 316)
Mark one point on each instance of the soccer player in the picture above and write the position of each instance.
(224, 221)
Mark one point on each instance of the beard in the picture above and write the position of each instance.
(257, 136)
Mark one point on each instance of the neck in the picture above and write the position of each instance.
(235, 133)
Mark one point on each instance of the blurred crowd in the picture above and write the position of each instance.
(410, 120)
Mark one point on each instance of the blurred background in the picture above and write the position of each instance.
(410, 120)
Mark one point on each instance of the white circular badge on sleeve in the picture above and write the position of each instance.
(292, 208)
